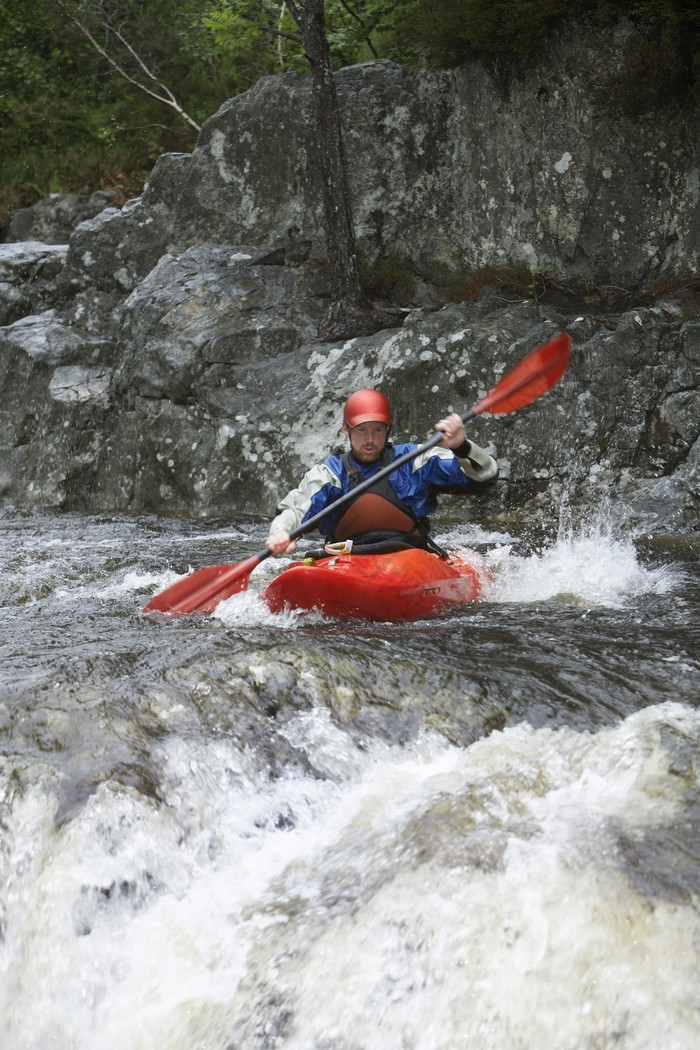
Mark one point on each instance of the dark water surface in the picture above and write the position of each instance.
(279, 831)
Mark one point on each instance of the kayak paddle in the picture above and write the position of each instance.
(202, 590)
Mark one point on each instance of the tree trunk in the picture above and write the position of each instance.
(350, 313)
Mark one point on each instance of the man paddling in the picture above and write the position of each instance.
(202, 590)
(397, 510)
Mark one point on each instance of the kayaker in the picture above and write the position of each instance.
(398, 510)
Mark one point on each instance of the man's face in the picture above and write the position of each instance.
(367, 440)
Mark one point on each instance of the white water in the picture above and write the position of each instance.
(537, 889)
(427, 897)
(585, 568)
(588, 568)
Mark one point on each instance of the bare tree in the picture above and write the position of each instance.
(158, 91)
(350, 313)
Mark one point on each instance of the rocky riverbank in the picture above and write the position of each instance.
(164, 358)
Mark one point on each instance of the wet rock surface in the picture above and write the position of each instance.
(165, 357)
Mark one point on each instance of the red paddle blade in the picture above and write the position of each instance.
(201, 591)
(535, 375)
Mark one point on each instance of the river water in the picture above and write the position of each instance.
(253, 831)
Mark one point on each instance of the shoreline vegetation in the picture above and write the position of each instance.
(76, 117)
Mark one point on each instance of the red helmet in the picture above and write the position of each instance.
(366, 406)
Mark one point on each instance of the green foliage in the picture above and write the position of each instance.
(256, 38)
(68, 120)
(453, 31)
(39, 112)
(662, 56)
(461, 284)
(261, 36)
(391, 277)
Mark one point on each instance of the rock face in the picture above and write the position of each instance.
(164, 358)
(445, 169)
(53, 219)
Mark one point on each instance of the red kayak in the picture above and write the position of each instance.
(404, 585)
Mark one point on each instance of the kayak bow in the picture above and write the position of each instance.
(404, 585)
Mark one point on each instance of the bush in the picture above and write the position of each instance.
(660, 59)
(661, 62)
(453, 31)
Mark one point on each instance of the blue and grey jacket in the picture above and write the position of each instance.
(415, 483)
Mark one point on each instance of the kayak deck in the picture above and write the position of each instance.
(403, 585)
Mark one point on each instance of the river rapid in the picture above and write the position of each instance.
(253, 831)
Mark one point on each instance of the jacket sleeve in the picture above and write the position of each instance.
(478, 465)
(316, 490)
(441, 467)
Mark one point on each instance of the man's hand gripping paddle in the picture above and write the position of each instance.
(202, 590)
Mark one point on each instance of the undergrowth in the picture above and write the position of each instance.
(392, 278)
